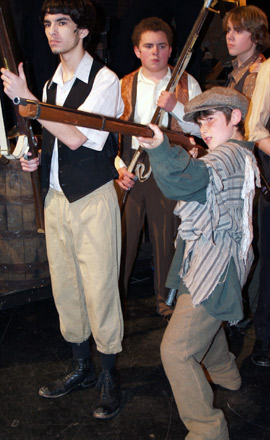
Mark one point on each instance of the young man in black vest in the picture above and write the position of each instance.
(82, 219)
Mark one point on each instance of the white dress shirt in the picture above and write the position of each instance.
(146, 103)
(104, 99)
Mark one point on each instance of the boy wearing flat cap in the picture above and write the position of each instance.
(213, 253)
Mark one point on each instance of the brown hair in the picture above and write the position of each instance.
(154, 24)
(227, 113)
(252, 19)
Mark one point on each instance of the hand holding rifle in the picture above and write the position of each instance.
(15, 83)
(155, 141)
(167, 101)
(126, 178)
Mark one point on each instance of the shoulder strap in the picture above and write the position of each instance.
(240, 84)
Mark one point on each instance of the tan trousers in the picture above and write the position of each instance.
(83, 243)
(192, 337)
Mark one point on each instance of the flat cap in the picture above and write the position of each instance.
(216, 98)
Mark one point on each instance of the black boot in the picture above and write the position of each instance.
(261, 353)
(109, 402)
(80, 374)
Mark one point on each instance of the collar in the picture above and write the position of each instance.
(248, 62)
(82, 71)
(143, 79)
(245, 144)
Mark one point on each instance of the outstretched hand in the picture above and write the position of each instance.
(15, 85)
(153, 142)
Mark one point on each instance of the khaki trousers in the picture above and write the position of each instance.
(83, 243)
(192, 337)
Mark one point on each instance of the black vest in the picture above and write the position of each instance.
(83, 170)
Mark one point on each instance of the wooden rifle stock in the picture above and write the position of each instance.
(48, 112)
(178, 70)
(23, 126)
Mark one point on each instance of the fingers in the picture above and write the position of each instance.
(128, 174)
(167, 101)
(5, 78)
(194, 152)
(126, 179)
(15, 85)
(122, 185)
(153, 142)
(21, 71)
(156, 130)
(125, 184)
(128, 183)
(29, 165)
(192, 140)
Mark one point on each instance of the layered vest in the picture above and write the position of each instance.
(221, 228)
(83, 170)
(129, 96)
(246, 82)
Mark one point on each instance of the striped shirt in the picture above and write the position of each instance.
(221, 228)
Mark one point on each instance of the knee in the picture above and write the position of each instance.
(167, 352)
(175, 351)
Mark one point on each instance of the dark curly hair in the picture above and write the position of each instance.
(252, 19)
(82, 12)
(154, 24)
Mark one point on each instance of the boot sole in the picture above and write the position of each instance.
(261, 364)
(106, 417)
(80, 386)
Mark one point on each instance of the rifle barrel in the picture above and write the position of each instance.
(38, 110)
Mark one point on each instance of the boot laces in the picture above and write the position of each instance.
(105, 383)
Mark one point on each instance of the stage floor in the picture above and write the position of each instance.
(32, 352)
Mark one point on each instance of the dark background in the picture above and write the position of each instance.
(112, 37)
(111, 41)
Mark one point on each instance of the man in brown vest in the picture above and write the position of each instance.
(142, 91)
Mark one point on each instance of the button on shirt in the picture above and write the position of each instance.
(105, 99)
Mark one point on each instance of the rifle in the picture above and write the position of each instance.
(32, 109)
(178, 71)
(24, 127)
